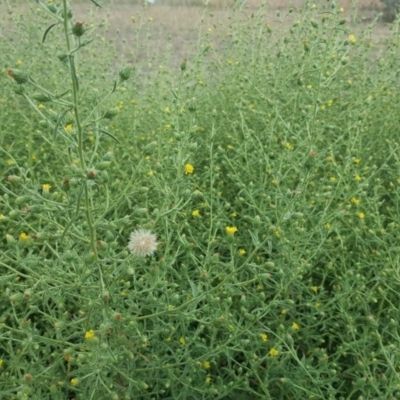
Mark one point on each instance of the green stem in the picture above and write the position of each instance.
(75, 89)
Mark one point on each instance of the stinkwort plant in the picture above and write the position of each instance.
(66, 117)
(230, 232)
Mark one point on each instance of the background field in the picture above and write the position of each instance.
(258, 146)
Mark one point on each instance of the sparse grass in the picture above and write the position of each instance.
(267, 166)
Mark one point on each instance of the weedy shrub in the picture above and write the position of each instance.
(224, 229)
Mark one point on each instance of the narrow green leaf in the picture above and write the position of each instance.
(96, 3)
(108, 134)
(48, 30)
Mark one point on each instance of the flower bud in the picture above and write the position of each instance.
(18, 75)
(10, 239)
(21, 199)
(111, 113)
(52, 8)
(104, 165)
(183, 65)
(14, 213)
(125, 73)
(43, 123)
(78, 29)
(14, 179)
(42, 97)
(16, 297)
(62, 57)
(91, 174)
(108, 156)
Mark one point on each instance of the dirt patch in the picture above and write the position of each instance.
(141, 30)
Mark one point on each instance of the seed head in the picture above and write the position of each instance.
(142, 243)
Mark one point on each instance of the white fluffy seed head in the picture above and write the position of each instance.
(142, 243)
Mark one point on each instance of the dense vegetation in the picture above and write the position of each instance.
(267, 166)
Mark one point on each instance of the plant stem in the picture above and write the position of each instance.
(75, 90)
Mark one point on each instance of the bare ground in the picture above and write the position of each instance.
(141, 30)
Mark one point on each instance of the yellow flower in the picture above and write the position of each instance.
(1, 217)
(206, 364)
(189, 169)
(46, 187)
(352, 38)
(19, 62)
(332, 178)
(41, 106)
(264, 337)
(168, 339)
(355, 201)
(89, 335)
(341, 9)
(166, 110)
(361, 215)
(357, 161)
(182, 340)
(68, 128)
(295, 326)
(231, 230)
(242, 252)
(273, 352)
(274, 181)
(317, 304)
(314, 289)
(23, 237)
(10, 162)
(1, 363)
(358, 178)
(196, 213)
(288, 146)
(208, 379)
(74, 381)
(234, 214)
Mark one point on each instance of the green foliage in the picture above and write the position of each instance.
(266, 164)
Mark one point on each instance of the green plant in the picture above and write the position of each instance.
(230, 232)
